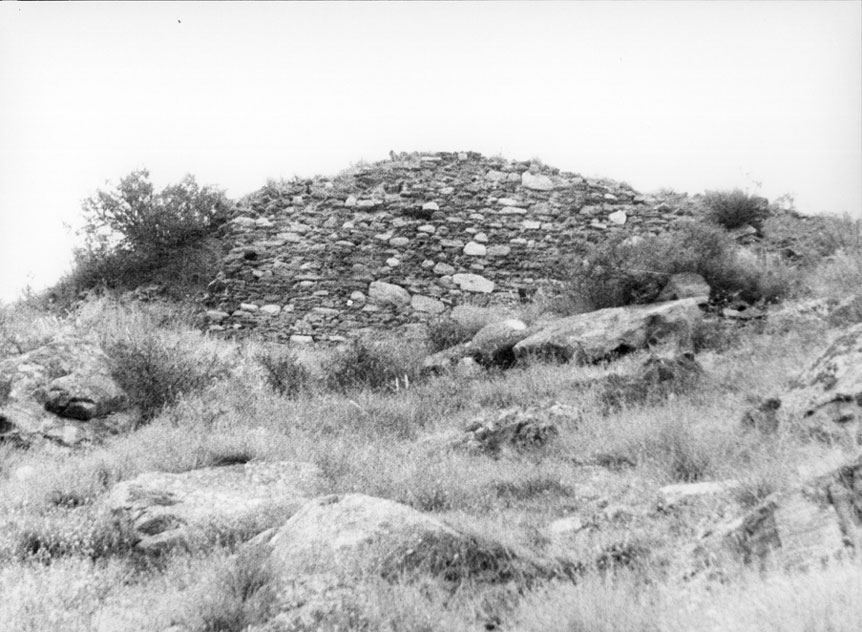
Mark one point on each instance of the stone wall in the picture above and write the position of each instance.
(403, 240)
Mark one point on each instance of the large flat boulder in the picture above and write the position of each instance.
(603, 334)
(492, 345)
(63, 390)
(338, 534)
(828, 394)
(167, 510)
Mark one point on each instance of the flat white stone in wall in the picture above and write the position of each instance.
(271, 310)
(618, 217)
(475, 250)
(430, 206)
(443, 268)
(248, 307)
(529, 224)
(426, 304)
(536, 182)
(498, 251)
(398, 242)
(473, 283)
(426, 228)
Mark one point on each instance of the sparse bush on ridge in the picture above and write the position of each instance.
(732, 209)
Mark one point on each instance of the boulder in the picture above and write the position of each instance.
(512, 428)
(443, 361)
(802, 527)
(685, 285)
(426, 304)
(492, 345)
(388, 293)
(167, 510)
(334, 535)
(828, 394)
(64, 391)
(606, 333)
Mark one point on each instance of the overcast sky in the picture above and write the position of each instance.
(693, 96)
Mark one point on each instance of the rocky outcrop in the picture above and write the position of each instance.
(685, 285)
(828, 394)
(63, 391)
(603, 334)
(216, 503)
(307, 257)
(803, 527)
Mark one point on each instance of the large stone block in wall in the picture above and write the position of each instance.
(473, 283)
(388, 293)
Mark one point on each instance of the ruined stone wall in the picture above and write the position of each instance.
(319, 258)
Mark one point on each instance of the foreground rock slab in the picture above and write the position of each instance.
(599, 335)
(799, 528)
(338, 534)
(168, 510)
(828, 394)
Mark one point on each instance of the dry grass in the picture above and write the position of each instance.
(605, 467)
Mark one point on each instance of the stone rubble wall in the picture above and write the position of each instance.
(404, 240)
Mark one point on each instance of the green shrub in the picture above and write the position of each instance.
(155, 370)
(808, 240)
(285, 374)
(623, 270)
(133, 235)
(732, 209)
(376, 366)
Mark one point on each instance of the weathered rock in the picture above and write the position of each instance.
(671, 495)
(828, 394)
(473, 283)
(388, 293)
(230, 502)
(445, 360)
(427, 304)
(802, 527)
(512, 428)
(334, 535)
(685, 285)
(53, 390)
(492, 345)
(605, 333)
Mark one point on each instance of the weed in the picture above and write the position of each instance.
(732, 209)
(285, 374)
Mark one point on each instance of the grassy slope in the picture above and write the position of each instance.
(63, 564)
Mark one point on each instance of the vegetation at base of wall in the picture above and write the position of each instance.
(625, 270)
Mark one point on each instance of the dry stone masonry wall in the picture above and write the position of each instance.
(404, 240)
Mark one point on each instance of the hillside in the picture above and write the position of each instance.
(602, 447)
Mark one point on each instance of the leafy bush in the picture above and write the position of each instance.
(376, 366)
(285, 374)
(625, 270)
(807, 240)
(156, 369)
(732, 209)
(133, 235)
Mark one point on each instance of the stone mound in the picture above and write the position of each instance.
(403, 240)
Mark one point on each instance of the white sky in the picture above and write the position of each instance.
(692, 96)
